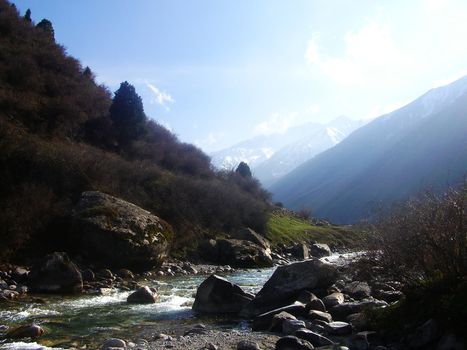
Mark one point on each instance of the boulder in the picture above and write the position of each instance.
(118, 233)
(338, 328)
(56, 273)
(247, 345)
(341, 311)
(278, 320)
(314, 338)
(29, 331)
(208, 250)
(357, 289)
(287, 282)
(319, 250)
(244, 254)
(316, 304)
(291, 342)
(125, 274)
(291, 326)
(333, 299)
(247, 234)
(299, 251)
(217, 295)
(143, 295)
(319, 315)
(264, 321)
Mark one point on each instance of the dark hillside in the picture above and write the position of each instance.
(62, 134)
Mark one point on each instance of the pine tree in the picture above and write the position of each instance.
(244, 170)
(127, 114)
(47, 27)
(27, 16)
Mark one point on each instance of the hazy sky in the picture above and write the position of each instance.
(217, 72)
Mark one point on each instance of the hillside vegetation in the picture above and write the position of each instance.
(61, 134)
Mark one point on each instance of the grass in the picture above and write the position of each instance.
(282, 227)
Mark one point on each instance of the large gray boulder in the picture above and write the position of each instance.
(118, 233)
(287, 282)
(319, 250)
(247, 234)
(56, 273)
(217, 295)
(244, 254)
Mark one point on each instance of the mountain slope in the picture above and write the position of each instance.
(272, 156)
(422, 144)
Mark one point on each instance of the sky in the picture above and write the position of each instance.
(216, 72)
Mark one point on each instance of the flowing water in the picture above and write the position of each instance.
(78, 320)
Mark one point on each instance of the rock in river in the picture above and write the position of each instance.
(217, 295)
(118, 233)
(29, 331)
(287, 282)
(143, 295)
(55, 274)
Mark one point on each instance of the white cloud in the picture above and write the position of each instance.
(211, 139)
(276, 124)
(450, 79)
(314, 109)
(378, 111)
(370, 56)
(160, 97)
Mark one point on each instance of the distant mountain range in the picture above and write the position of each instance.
(272, 156)
(421, 145)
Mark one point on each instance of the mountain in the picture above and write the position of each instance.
(272, 156)
(423, 144)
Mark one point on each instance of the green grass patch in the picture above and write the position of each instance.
(285, 228)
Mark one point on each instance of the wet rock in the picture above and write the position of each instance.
(319, 315)
(291, 342)
(29, 331)
(7, 294)
(358, 289)
(118, 233)
(114, 343)
(291, 326)
(247, 234)
(190, 269)
(217, 295)
(248, 345)
(20, 274)
(287, 282)
(319, 250)
(333, 299)
(338, 328)
(314, 338)
(264, 321)
(143, 295)
(305, 297)
(106, 274)
(55, 274)
(389, 296)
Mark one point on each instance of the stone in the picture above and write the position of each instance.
(316, 304)
(286, 283)
(247, 345)
(114, 343)
(247, 234)
(389, 296)
(305, 297)
(319, 315)
(278, 319)
(243, 254)
(29, 331)
(299, 251)
(359, 341)
(217, 295)
(319, 250)
(338, 328)
(358, 321)
(162, 336)
(291, 326)
(144, 295)
(291, 342)
(333, 299)
(264, 321)
(118, 233)
(357, 289)
(210, 346)
(314, 338)
(56, 273)
(106, 273)
(196, 329)
(341, 311)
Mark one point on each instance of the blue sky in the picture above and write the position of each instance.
(217, 72)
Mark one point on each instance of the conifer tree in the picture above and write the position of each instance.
(244, 170)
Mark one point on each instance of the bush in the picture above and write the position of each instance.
(423, 239)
